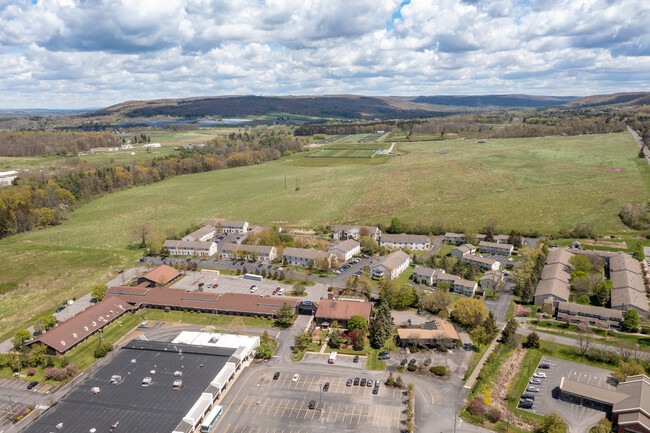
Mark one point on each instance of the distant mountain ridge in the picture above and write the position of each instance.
(355, 106)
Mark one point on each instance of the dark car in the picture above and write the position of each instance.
(326, 386)
(356, 359)
(276, 376)
(384, 356)
(363, 382)
(375, 390)
(528, 396)
(370, 381)
(412, 361)
(427, 362)
(526, 404)
(31, 385)
(61, 308)
(403, 363)
(312, 404)
(349, 382)
(356, 381)
(544, 366)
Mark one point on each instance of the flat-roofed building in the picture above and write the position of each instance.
(346, 249)
(264, 253)
(483, 263)
(495, 248)
(604, 318)
(461, 250)
(342, 231)
(412, 242)
(190, 248)
(390, 266)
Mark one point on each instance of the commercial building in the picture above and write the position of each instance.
(70, 333)
(345, 250)
(390, 266)
(184, 383)
(483, 263)
(495, 248)
(163, 275)
(330, 310)
(341, 231)
(438, 333)
(233, 250)
(302, 256)
(461, 250)
(412, 242)
(190, 248)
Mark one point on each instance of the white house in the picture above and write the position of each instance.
(390, 266)
(345, 249)
(495, 248)
(203, 234)
(190, 248)
(239, 227)
(412, 242)
(264, 253)
(302, 256)
(481, 262)
(425, 275)
(461, 250)
(6, 177)
(152, 145)
(341, 231)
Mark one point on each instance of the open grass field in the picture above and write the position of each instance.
(360, 138)
(538, 183)
(342, 153)
(359, 146)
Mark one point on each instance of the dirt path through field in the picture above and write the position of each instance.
(509, 373)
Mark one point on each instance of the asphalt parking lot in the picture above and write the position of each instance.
(341, 360)
(578, 417)
(238, 284)
(21, 385)
(9, 411)
(263, 405)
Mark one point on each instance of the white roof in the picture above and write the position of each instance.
(231, 341)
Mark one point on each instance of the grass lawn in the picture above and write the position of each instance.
(206, 319)
(82, 355)
(374, 363)
(522, 183)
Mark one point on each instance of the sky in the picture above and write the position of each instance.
(70, 54)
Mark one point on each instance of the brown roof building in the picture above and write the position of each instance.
(77, 329)
(330, 310)
(436, 333)
(160, 276)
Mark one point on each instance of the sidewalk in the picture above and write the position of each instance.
(472, 378)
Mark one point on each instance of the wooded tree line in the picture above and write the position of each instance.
(37, 201)
(51, 143)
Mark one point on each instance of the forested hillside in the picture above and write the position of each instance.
(49, 143)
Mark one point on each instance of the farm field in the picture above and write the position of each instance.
(342, 153)
(538, 183)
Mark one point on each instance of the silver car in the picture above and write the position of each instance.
(532, 389)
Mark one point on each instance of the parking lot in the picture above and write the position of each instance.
(341, 360)
(265, 405)
(21, 385)
(578, 417)
(10, 411)
(239, 284)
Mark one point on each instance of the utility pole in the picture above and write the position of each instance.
(285, 182)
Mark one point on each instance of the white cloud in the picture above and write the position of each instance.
(78, 53)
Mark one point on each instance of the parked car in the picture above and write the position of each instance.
(525, 404)
(356, 381)
(326, 387)
(375, 390)
(276, 376)
(281, 292)
(370, 382)
(540, 375)
(312, 404)
(427, 362)
(32, 385)
(61, 308)
(535, 382)
(403, 362)
(532, 389)
(356, 359)
(295, 377)
(377, 382)
(528, 396)
(349, 382)
(363, 382)
(253, 288)
(544, 366)
(412, 361)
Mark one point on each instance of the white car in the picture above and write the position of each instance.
(535, 382)
(532, 389)
(295, 377)
(253, 289)
(540, 375)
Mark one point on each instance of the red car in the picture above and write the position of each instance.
(275, 292)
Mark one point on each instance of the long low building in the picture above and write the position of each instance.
(495, 248)
(590, 315)
(412, 242)
(302, 256)
(424, 275)
(345, 250)
(264, 253)
(240, 304)
(438, 333)
(342, 231)
(330, 310)
(190, 248)
(463, 287)
(483, 263)
(554, 286)
(77, 329)
(205, 233)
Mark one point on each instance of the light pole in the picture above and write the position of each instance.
(320, 397)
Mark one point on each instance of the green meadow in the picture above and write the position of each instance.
(537, 183)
